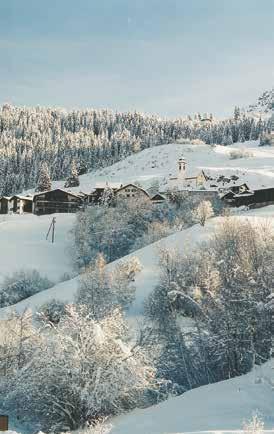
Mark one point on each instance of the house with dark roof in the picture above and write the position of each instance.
(57, 201)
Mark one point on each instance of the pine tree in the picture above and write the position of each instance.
(73, 179)
(44, 181)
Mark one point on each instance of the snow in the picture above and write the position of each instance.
(159, 162)
(146, 280)
(219, 407)
(24, 245)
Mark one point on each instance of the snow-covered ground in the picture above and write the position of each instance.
(148, 256)
(159, 162)
(24, 245)
(219, 407)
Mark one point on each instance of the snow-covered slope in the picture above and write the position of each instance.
(148, 256)
(220, 407)
(24, 245)
(159, 162)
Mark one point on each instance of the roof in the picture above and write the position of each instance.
(132, 185)
(58, 189)
(107, 184)
(19, 196)
(158, 196)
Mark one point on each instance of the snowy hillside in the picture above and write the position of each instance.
(157, 163)
(148, 257)
(220, 407)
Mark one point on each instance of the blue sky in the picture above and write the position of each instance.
(168, 57)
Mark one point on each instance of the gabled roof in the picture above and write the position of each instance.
(158, 196)
(19, 196)
(132, 185)
(58, 189)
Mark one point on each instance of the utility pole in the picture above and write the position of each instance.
(52, 230)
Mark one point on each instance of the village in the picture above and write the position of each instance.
(198, 184)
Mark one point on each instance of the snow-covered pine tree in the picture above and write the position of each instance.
(44, 181)
(73, 179)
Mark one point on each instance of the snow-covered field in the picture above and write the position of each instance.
(24, 245)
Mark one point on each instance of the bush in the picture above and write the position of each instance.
(22, 284)
(52, 311)
(239, 153)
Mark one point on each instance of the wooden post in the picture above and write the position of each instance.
(53, 229)
(4, 423)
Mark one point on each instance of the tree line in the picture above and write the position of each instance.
(85, 140)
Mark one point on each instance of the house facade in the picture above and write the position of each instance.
(21, 204)
(131, 191)
(5, 205)
(57, 201)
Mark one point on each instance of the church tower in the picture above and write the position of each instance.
(182, 168)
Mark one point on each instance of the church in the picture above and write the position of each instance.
(187, 179)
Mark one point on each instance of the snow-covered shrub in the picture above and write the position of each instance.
(203, 212)
(22, 284)
(239, 153)
(81, 371)
(113, 230)
(155, 231)
(224, 287)
(102, 291)
(51, 311)
(122, 281)
(254, 426)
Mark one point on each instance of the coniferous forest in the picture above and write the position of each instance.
(92, 139)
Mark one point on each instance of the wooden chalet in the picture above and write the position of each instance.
(57, 201)
(5, 204)
(256, 198)
(131, 191)
(21, 204)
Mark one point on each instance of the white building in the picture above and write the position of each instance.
(186, 178)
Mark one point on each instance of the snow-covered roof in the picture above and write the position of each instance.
(58, 189)
(107, 184)
(132, 185)
(21, 197)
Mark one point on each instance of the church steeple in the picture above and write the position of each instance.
(182, 168)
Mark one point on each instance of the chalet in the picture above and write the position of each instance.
(5, 205)
(21, 204)
(131, 191)
(58, 200)
(256, 198)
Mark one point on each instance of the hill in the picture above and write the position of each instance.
(145, 281)
(216, 408)
(250, 162)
